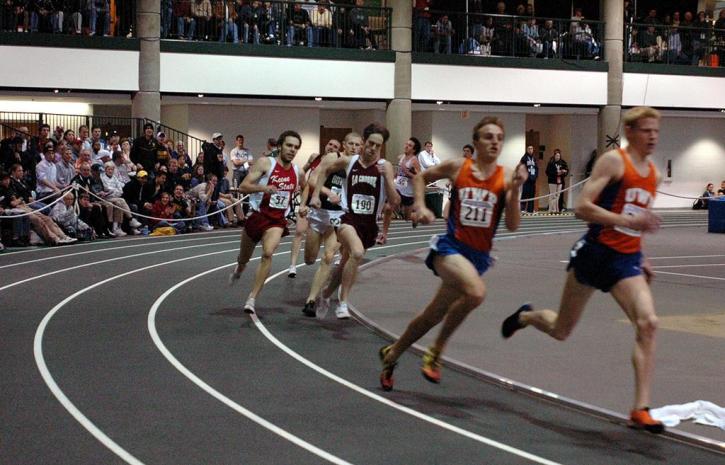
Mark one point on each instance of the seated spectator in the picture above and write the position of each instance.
(73, 18)
(721, 191)
(299, 31)
(163, 209)
(126, 150)
(225, 22)
(675, 51)
(184, 173)
(99, 155)
(19, 203)
(203, 195)
(145, 148)
(226, 197)
(113, 188)
(592, 46)
(93, 215)
(159, 185)
(359, 33)
(198, 176)
(180, 152)
(185, 23)
(650, 44)
(549, 39)
(47, 175)
(138, 193)
(65, 169)
(700, 38)
(123, 167)
(250, 16)
(18, 232)
(443, 34)
(84, 156)
(531, 32)
(268, 23)
(701, 203)
(65, 215)
(183, 206)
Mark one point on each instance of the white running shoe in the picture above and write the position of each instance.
(134, 223)
(207, 227)
(341, 312)
(292, 272)
(118, 232)
(322, 307)
(249, 306)
(234, 275)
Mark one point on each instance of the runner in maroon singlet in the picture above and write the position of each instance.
(271, 184)
(369, 181)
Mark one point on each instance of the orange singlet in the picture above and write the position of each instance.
(631, 194)
(476, 207)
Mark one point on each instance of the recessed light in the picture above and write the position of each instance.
(55, 91)
(318, 99)
(439, 102)
(200, 95)
(537, 105)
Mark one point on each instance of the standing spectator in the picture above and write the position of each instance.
(145, 149)
(700, 38)
(47, 175)
(529, 189)
(322, 31)
(675, 52)
(556, 170)
(443, 35)
(201, 10)
(549, 39)
(212, 151)
(185, 23)
(421, 25)
(241, 160)
(502, 39)
(428, 158)
(271, 148)
(720, 35)
(167, 10)
(359, 33)
(74, 16)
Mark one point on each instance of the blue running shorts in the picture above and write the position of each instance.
(600, 267)
(445, 244)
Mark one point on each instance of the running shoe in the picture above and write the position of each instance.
(323, 306)
(234, 275)
(382, 239)
(341, 312)
(431, 368)
(386, 375)
(641, 419)
(309, 309)
(512, 324)
(134, 223)
(292, 272)
(249, 306)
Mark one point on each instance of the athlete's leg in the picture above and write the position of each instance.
(559, 325)
(634, 296)
(336, 274)
(270, 241)
(312, 246)
(349, 239)
(387, 216)
(300, 231)
(246, 249)
(323, 271)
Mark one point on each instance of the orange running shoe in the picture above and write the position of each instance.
(641, 419)
(386, 376)
(431, 368)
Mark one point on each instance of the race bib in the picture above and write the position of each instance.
(401, 181)
(631, 210)
(279, 200)
(476, 213)
(363, 204)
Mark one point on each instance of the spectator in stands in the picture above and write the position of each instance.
(184, 172)
(13, 153)
(201, 10)
(20, 184)
(84, 157)
(47, 175)
(359, 34)
(114, 143)
(185, 22)
(650, 44)
(700, 38)
(58, 135)
(199, 162)
(720, 36)
(212, 164)
(226, 196)
(99, 156)
(8, 201)
(675, 52)
(298, 30)
(533, 40)
(74, 16)
(8, 16)
(651, 18)
(271, 148)
(183, 208)
(69, 136)
(443, 34)
(250, 15)
(164, 208)
(202, 195)
(38, 142)
(721, 191)
(65, 215)
(427, 158)
(180, 153)
(113, 187)
(687, 34)
(144, 149)
(323, 33)
(702, 203)
(556, 170)
(167, 11)
(43, 225)
(91, 213)
(520, 10)
(126, 150)
(84, 137)
(138, 192)
(549, 39)
(592, 46)
(159, 185)
(502, 39)
(421, 25)
(65, 169)
(225, 21)
(123, 167)
(97, 136)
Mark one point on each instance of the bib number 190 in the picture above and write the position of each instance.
(363, 204)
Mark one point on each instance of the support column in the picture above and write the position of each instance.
(609, 115)
(146, 103)
(398, 115)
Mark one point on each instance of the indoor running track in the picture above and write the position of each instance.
(136, 350)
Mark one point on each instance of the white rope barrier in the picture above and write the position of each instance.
(61, 194)
(686, 197)
(140, 215)
(446, 189)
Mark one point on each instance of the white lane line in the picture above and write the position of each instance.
(218, 395)
(389, 403)
(685, 256)
(688, 266)
(53, 386)
(714, 278)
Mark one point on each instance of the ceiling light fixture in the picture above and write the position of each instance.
(55, 91)
(200, 95)
(537, 105)
(318, 99)
(439, 102)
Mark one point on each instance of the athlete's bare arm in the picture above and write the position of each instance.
(514, 180)
(326, 168)
(609, 169)
(391, 193)
(447, 170)
(312, 158)
(249, 184)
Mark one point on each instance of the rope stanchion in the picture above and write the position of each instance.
(39, 211)
(140, 215)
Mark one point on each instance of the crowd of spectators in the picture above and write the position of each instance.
(118, 186)
(677, 37)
